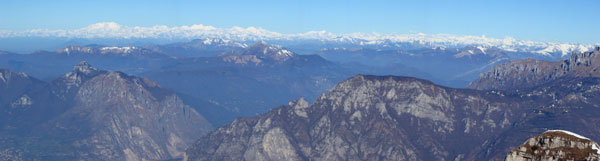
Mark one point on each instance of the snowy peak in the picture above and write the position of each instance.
(125, 50)
(563, 49)
(202, 32)
(264, 49)
(472, 51)
(113, 49)
(258, 54)
(567, 134)
(216, 42)
(75, 49)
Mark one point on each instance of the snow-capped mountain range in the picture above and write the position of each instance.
(114, 30)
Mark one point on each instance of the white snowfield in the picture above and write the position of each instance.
(570, 133)
(125, 49)
(114, 30)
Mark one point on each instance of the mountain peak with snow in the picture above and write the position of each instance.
(258, 54)
(263, 49)
(240, 34)
(216, 42)
(123, 50)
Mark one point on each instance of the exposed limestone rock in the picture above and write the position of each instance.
(366, 118)
(299, 107)
(134, 119)
(556, 145)
(401, 118)
(277, 145)
(23, 102)
(530, 73)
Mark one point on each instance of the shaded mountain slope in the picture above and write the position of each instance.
(108, 116)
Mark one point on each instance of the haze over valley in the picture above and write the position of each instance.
(379, 80)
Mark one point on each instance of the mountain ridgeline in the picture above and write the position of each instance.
(227, 78)
(402, 118)
(344, 111)
(530, 73)
(252, 80)
(454, 67)
(91, 114)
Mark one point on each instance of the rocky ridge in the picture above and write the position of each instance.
(257, 54)
(15, 98)
(106, 116)
(402, 118)
(556, 145)
(529, 73)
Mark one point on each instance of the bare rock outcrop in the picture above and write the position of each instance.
(556, 145)
(529, 73)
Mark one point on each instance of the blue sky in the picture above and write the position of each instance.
(549, 20)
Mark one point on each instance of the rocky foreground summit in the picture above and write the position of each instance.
(556, 145)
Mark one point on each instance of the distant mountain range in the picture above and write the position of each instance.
(198, 48)
(169, 95)
(402, 118)
(231, 78)
(115, 33)
(451, 67)
(529, 73)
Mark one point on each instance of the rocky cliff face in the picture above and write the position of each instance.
(530, 73)
(556, 145)
(111, 116)
(400, 118)
(130, 118)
